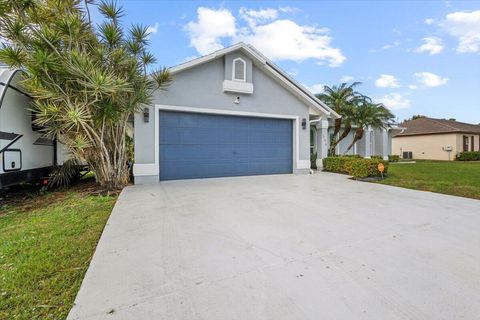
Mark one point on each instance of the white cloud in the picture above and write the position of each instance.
(209, 29)
(253, 17)
(388, 46)
(429, 21)
(394, 44)
(278, 39)
(153, 29)
(347, 78)
(315, 88)
(429, 79)
(287, 40)
(413, 86)
(288, 9)
(465, 26)
(431, 45)
(387, 81)
(394, 101)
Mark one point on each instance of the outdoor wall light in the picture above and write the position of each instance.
(304, 123)
(146, 114)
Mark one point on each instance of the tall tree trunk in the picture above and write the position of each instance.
(335, 141)
(338, 126)
(107, 156)
(358, 135)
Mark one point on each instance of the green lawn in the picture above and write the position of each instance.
(46, 244)
(455, 177)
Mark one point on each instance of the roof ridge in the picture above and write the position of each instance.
(443, 124)
(463, 123)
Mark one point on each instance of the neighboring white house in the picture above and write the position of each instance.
(233, 113)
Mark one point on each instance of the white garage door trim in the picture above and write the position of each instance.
(150, 169)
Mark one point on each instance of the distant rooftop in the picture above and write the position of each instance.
(426, 125)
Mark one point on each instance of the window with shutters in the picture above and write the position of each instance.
(239, 72)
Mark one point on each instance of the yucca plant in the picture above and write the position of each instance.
(86, 79)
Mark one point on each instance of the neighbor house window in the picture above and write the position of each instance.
(472, 138)
(465, 143)
(239, 72)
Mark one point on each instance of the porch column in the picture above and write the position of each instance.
(384, 144)
(368, 149)
(323, 141)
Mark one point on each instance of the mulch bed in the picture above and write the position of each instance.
(28, 196)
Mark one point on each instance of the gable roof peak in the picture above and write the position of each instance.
(267, 66)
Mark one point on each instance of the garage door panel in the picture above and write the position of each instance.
(170, 120)
(232, 135)
(204, 145)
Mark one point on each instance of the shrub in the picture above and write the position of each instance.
(377, 157)
(313, 160)
(354, 166)
(393, 158)
(468, 156)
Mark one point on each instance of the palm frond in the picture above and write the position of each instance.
(162, 78)
(110, 10)
(66, 174)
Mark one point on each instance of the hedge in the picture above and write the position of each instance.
(468, 156)
(356, 167)
(393, 158)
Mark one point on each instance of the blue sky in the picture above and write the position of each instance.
(416, 57)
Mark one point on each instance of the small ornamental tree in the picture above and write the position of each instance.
(344, 99)
(86, 80)
(369, 115)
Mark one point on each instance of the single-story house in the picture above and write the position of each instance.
(435, 139)
(230, 113)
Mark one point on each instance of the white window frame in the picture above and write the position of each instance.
(244, 70)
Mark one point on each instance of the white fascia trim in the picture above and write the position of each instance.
(206, 58)
(153, 168)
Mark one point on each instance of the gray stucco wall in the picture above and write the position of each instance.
(201, 87)
(378, 143)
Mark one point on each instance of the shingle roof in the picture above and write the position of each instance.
(431, 126)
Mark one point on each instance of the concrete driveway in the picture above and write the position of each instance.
(284, 247)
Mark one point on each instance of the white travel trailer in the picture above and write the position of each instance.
(25, 155)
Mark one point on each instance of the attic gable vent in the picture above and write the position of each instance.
(239, 70)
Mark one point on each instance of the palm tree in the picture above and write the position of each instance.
(344, 100)
(369, 115)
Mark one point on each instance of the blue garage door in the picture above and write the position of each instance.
(196, 145)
